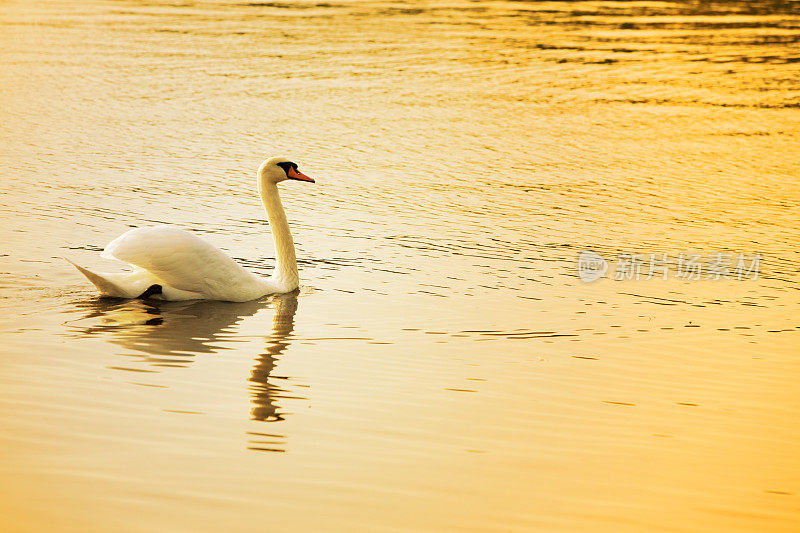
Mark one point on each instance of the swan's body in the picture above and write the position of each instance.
(173, 264)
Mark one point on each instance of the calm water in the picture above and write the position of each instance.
(443, 367)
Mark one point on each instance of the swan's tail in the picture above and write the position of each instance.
(108, 284)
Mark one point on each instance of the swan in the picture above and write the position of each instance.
(172, 264)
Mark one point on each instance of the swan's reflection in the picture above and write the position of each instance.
(165, 332)
(264, 393)
(171, 334)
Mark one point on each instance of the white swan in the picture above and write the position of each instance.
(173, 264)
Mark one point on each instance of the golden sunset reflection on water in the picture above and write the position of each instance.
(443, 366)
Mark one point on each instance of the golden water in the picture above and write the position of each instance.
(443, 367)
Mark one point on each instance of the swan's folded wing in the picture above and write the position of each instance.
(185, 261)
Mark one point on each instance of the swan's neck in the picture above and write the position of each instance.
(285, 258)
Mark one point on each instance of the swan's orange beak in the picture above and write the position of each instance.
(297, 175)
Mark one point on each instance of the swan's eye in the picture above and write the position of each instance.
(286, 166)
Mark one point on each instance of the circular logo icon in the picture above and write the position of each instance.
(591, 266)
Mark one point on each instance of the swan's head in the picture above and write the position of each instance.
(277, 169)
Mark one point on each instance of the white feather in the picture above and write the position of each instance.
(183, 261)
(186, 267)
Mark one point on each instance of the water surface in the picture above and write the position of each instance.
(442, 367)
